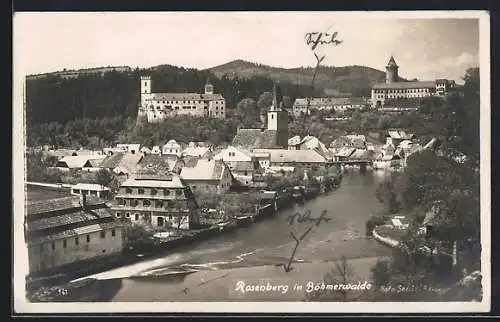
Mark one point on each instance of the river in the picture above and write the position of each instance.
(269, 242)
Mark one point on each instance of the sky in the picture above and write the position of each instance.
(424, 48)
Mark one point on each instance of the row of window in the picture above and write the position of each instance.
(77, 240)
(135, 217)
(153, 191)
(401, 91)
(147, 203)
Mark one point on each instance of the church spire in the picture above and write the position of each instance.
(277, 97)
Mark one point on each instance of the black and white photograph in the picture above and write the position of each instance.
(293, 161)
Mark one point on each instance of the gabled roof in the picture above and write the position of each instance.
(255, 138)
(246, 166)
(204, 170)
(153, 164)
(79, 161)
(392, 62)
(345, 152)
(127, 162)
(197, 151)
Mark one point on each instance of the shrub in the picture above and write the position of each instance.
(372, 222)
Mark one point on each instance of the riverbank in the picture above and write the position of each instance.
(234, 284)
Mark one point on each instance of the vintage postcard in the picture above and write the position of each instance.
(251, 162)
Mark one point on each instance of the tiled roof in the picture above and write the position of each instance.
(245, 166)
(361, 154)
(153, 164)
(68, 218)
(79, 160)
(345, 152)
(405, 85)
(198, 151)
(246, 137)
(112, 161)
(204, 170)
(290, 156)
(59, 204)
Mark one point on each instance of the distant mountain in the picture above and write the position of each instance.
(335, 81)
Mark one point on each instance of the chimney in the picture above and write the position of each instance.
(83, 201)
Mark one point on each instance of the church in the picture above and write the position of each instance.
(273, 133)
(158, 106)
(396, 93)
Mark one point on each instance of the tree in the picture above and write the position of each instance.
(381, 273)
(103, 177)
(387, 194)
(341, 274)
(265, 101)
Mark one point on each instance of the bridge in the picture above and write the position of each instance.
(362, 163)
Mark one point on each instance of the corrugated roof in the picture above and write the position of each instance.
(289, 156)
(405, 85)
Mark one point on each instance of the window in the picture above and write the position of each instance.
(194, 187)
(65, 243)
(272, 116)
(159, 203)
(133, 203)
(140, 191)
(76, 190)
(166, 192)
(103, 234)
(178, 192)
(127, 215)
(53, 245)
(128, 190)
(77, 240)
(136, 216)
(113, 233)
(246, 173)
(88, 238)
(146, 203)
(153, 192)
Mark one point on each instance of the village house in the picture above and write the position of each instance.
(294, 143)
(111, 151)
(195, 150)
(395, 137)
(130, 148)
(157, 201)
(292, 158)
(156, 150)
(86, 163)
(207, 176)
(145, 150)
(121, 163)
(172, 148)
(91, 189)
(233, 155)
(70, 230)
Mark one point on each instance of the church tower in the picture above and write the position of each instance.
(391, 71)
(277, 118)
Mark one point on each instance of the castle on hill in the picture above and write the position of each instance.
(394, 91)
(156, 107)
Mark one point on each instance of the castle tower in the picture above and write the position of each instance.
(391, 71)
(277, 118)
(209, 88)
(145, 84)
(145, 93)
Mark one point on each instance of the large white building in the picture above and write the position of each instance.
(394, 90)
(159, 106)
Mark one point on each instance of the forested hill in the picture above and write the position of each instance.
(354, 80)
(55, 98)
